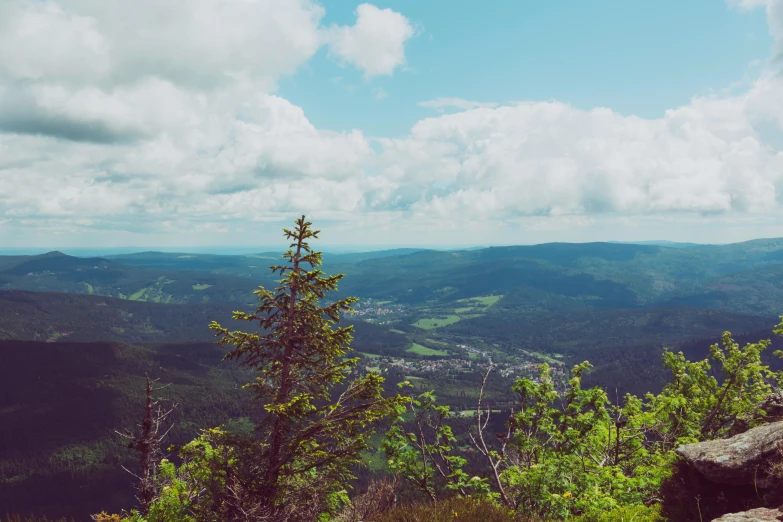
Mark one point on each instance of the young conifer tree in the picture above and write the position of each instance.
(305, 436)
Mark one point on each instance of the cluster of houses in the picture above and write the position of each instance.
(362, 312)
(429, 367)
(524, 367)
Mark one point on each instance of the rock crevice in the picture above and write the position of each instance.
(741, 459)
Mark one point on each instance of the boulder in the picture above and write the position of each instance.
(739, 460)
(754, 515)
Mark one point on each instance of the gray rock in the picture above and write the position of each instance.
(742, 459)
(754, 515)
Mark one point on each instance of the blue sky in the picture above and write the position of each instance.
(637, 58)
(410, 122)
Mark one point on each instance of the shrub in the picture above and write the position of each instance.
(450, 510)
(624, 514)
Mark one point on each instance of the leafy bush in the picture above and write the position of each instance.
(572, 452)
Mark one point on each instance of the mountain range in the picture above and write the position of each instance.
(78, 334)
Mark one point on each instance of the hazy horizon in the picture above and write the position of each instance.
(326, 248)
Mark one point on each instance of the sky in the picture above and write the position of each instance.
(214, 123)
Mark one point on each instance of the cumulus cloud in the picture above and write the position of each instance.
(126, 114)
(109, 72)
(716, 155)
(205, 45)
(376, 43)
(533, 159)
(146, 118)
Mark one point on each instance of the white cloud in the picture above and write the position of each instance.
(376, 43)
(714, 155)
(207, 44)
(144, 118)
(130, 113)
(92, 70)
(439, 104)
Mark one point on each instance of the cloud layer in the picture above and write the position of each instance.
(142, 117)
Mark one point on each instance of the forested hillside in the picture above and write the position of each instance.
(740, 278)
(49, 316)
(95, 326)
(61, 402)
(57, 272)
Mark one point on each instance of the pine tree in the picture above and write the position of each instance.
(304, 437)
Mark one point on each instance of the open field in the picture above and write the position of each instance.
(548, 358)
(469, 413)
(483, 300)
(430, 323)
(423, 350)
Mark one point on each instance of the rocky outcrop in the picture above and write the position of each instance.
(739, 460)
(754, 515)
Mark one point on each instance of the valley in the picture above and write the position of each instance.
(77, 335)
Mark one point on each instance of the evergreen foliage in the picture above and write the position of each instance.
(305, 442)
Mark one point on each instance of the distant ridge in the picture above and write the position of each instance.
(662, 243)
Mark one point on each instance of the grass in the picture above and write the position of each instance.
(432, 323)
(447, 510)
(469, 413)
(370, 355)
(477, 305)
(139, 295)
(374, 369)
(484, 301)
(488, 300)
(201, 287)
(547, 358)
(394, 330)
(443, 343)
(423, 350)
